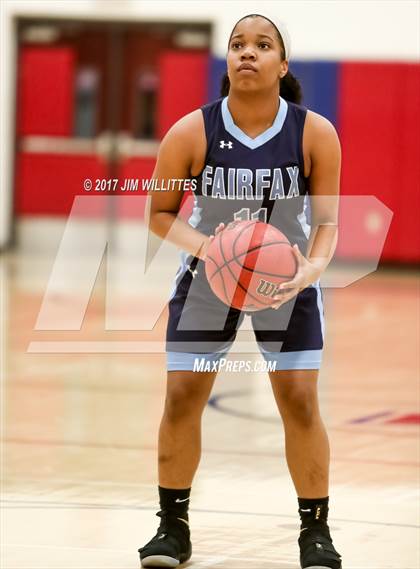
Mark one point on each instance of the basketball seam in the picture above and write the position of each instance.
(238, 284)
(239, 234)
(221, 276)
(236, 257)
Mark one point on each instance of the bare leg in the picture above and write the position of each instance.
(307, 446)
(180, 429)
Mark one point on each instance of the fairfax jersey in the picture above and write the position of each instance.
(246, 178)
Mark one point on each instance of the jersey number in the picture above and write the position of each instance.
(245, 214)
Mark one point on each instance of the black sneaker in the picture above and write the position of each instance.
(316, 548)
(171, 546)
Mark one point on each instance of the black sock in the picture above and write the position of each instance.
(175, 501)
(313, 510)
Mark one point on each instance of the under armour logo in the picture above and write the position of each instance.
(228, 144)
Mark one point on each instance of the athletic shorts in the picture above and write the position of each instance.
(202, 326)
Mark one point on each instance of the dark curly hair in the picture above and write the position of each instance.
(289, 86)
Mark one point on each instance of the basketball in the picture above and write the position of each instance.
(246, 263)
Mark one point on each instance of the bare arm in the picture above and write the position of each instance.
(174, 161)
(323, 149)
(325, 157)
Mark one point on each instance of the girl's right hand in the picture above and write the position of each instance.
(207, 243)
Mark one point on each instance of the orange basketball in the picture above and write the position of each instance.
(246, 263)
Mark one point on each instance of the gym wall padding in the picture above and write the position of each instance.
(319, 80)
(48, 183)
(379, 126)
(46, 91)
(183, 86)
(375, 107)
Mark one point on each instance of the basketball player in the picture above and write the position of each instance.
(256, 141)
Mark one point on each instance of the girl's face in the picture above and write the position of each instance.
(255, 44)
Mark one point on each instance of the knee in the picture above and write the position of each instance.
(183, 403)
(299, 405)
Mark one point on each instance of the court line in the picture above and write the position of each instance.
(39, 504)
(209, 562)
(54, 484)
(38, 383)
(273, 420)
(214, 403)
(371, 417)
(82, 481)
(206, 561)
(87, 547)
(362, 430)
(267, 454)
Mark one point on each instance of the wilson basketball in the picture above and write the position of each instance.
(246, 263)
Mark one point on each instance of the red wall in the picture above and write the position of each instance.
(45, 90)
(379, 124)
(183, 86)
(47, 183)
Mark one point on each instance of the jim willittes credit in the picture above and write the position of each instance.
(138, 185)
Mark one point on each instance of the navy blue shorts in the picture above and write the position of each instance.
(200, 325)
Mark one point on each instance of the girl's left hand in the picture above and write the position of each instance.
(306, 274)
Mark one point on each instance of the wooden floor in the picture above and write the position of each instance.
(79, 442)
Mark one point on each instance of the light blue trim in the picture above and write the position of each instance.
(184, 361)
(320, 305)
(193, 220)
(262, 138)
(195, 216)
(181, 270)
(303, 217)
(305, 359)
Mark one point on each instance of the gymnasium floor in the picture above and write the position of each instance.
(80, 429)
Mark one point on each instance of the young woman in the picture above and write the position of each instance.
(255, 153)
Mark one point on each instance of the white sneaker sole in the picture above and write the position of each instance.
(159, 561)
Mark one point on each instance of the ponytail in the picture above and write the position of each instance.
(289, 88)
